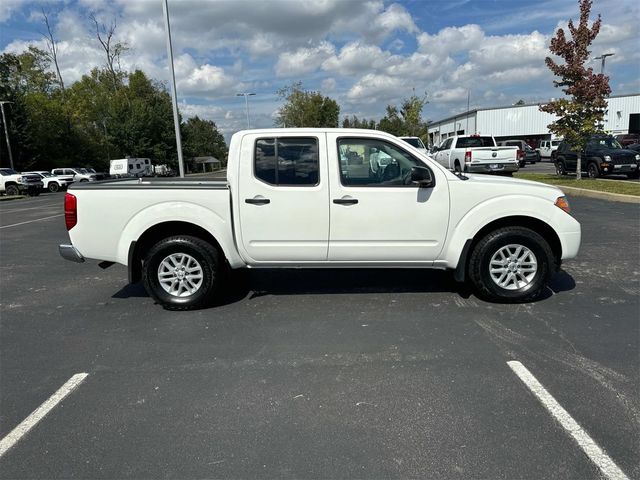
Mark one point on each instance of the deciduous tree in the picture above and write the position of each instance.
(581, 112)
(305, 108)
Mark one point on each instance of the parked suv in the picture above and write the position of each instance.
(628, 139)
(525, 152)
(603, 156)
(53, 183)
(547, 147)
(79, 174)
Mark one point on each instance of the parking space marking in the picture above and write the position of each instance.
(39, 413)
(31, 221)
(53, 205)
(598, 456)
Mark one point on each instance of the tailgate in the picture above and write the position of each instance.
(494, 154)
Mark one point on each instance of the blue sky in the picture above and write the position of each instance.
(364, 54)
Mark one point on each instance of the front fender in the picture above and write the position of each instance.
(220, 228)
(468, 225)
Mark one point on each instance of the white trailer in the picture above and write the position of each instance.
(125, 167)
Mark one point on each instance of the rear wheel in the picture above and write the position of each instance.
(53, 187)
(592, 170)
(457, 168)
(511, 264)
(182, 272)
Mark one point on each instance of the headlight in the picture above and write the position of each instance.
(607, 158)
(24, 180)
(637, 157)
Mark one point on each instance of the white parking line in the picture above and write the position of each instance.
(38, 414)
(598, 456)
(53, 205)
(31, 221)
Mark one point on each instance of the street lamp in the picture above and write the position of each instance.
(174, 98)
(246, 103)
(6, 131)
(603, 57)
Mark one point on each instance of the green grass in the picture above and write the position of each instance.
(610, 186)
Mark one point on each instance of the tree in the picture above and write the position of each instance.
(201, 138)
(113, 50)
(304, 108)
(581, 114)
(406, 121)
(355, 122)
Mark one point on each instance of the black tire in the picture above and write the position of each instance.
(479, 265)
(456, 167)
(561, 170)
(53, 187)
(208, 259)
(83, 180)
(12, 190)
(592, 170)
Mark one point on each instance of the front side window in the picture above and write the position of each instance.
(287, 161)
(374, 163)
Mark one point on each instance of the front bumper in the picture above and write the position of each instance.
(491, 167)
(624, 168)
(69, 252)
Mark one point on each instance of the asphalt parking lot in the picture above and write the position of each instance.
(317, 374)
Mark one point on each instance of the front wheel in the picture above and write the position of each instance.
(182, 272)
(511, 264)
(12, 190)
(560, 169)
(593, 171)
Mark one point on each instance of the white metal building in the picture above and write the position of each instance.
(527, 122)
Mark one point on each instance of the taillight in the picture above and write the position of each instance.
(70, 210)
(467, 157)
(520, 154)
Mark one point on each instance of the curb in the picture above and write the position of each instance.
(612, 197)
(8, 198)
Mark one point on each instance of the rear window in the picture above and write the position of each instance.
(472, 142)
(292, 161)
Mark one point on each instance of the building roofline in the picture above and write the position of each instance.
(476, 110)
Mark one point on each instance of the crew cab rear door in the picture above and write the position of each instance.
(283, 200)
(377, 214)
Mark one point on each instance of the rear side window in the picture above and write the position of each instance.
(287, 161)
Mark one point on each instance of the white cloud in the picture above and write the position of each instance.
(303, 60)
(357, 59)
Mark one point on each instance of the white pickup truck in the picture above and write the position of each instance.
(476, 154)
(290, 200)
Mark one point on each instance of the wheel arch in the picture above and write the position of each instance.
(156, 233)
(537, 225)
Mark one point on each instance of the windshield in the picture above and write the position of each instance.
(604, 142)
(414, 142)
(83, 170)
(555, 143)
(8, 171)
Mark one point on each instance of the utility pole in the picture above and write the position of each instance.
(466, 130)
(6, 132)
(174, 98)
(603, 57)
(246, 103)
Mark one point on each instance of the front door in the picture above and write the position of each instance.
(283, 198)
(377, 215)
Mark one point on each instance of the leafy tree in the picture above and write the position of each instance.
(355, 122)
(201, 138)
(406, 120)
(581, 114)
(304, 108)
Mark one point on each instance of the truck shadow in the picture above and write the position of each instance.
(248, 284)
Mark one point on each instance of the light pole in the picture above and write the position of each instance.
(176, 118)
(6, 132)
(246, 103)
(603, 57)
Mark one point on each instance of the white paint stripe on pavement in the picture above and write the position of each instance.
(31, 221)
(598, 456)
(39, 413)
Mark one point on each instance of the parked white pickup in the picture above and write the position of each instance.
(475, 153)
(311, 198)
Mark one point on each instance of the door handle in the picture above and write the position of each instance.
(345, 201)
(257, 201)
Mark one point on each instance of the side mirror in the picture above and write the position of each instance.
(422, 177)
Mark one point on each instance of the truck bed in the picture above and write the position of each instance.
(151, 183)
